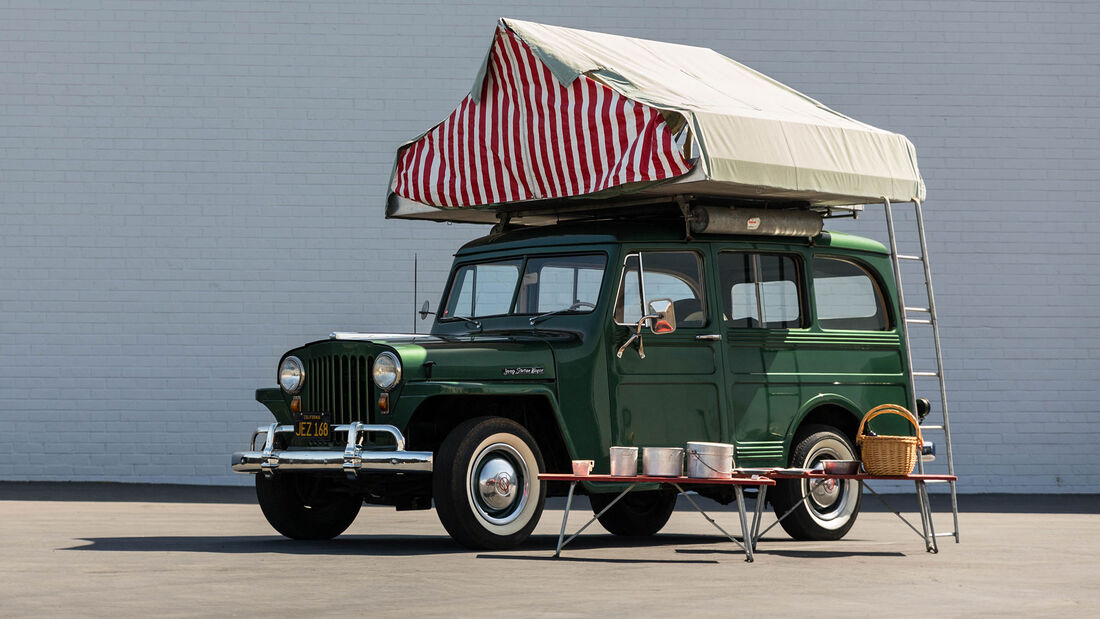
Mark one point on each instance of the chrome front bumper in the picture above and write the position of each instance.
(352, 460)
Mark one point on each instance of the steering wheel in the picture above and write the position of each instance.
(579, 304)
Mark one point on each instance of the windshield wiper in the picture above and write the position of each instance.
(465, 319)
(572, 308)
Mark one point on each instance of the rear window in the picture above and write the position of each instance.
(847, 297)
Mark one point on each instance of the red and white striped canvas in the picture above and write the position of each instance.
(528, 138)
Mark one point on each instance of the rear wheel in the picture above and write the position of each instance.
(638, 514)
(485, 484)
(833, 504)
(306, 506)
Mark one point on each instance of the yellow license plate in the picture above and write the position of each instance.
(312, 425)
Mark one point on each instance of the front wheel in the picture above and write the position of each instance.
(306, 507)
(833, 504)
(485, 484)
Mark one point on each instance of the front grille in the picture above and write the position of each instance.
(341, 385)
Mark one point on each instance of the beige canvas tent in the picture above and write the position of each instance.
(559, 117)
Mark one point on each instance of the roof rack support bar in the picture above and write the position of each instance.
(685, 210)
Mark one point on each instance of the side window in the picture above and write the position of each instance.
(675, 275)
(760, 284)
(847, 297)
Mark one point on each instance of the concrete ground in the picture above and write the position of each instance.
(118, 550)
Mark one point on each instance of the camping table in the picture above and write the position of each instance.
(928, 531)
(760, 482)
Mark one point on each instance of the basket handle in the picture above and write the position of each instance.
(882, 409)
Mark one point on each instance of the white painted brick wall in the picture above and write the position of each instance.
(187, 189)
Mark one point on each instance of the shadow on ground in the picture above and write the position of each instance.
(420, 545)
(178, 493)
(372, 545)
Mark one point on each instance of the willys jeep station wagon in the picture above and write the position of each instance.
(657, 274)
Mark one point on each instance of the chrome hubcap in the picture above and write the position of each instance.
(495, 483)
(500, 483)
(826, 493)
(828, 498)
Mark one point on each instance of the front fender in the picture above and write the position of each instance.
(415, 394)
(275, 401)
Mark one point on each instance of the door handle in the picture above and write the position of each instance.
(709, 337)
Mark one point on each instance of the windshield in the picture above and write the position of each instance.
(566, 284)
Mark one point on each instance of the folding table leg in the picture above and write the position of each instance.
(746, 532)
(761, 492)
(878, 496)
(562, 544)
(816, 483)
(565, 518)
(930, 544)
(740, 509)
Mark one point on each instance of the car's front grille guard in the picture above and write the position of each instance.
(341, 385)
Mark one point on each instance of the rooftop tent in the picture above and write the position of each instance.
(560, 117)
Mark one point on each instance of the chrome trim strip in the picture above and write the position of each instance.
(352, 460)
(379, 337)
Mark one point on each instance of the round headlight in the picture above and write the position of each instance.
(291, 374)
(387, 371)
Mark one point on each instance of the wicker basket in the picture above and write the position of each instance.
(889, 455)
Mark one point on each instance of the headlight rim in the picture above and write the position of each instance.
(291, 359)
(396, 370)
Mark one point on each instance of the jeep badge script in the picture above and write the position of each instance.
(523, 371)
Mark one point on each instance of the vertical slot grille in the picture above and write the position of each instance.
(341, 385)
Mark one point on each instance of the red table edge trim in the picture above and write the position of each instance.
(866, 477)
(741, 480)
(733, 481)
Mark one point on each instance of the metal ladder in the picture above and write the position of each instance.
(933, 322)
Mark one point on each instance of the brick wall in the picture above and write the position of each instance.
(187, 189)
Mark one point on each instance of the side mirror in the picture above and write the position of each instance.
(424, 311)
(664, 321)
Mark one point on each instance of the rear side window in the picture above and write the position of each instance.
(847, 297)
(760, 290)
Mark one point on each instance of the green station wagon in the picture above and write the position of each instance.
(555, 343)
(657, 274)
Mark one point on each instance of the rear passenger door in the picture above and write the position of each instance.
(764, 311)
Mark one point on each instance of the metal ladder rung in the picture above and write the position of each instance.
(918, 321)
(926, 373)
(937, 427)
(918, 309)
(947, 534)
(937, 481)
(906, 257)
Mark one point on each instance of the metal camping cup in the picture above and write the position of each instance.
(709, 460)
(583, 467)
(624, 461)
(663, 461)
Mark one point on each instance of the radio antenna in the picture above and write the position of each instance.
(416, 268)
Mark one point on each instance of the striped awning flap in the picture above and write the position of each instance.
(527, 136)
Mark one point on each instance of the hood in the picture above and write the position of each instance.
(474, 357)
